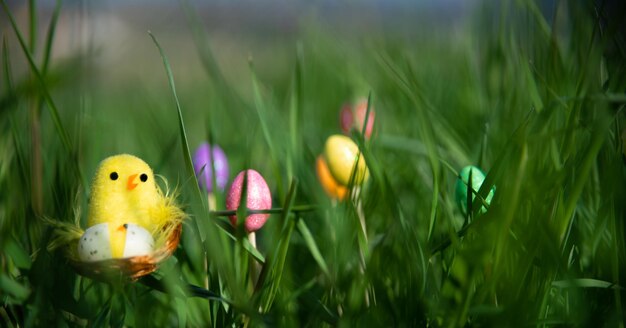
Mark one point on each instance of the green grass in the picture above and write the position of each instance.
(536, 102)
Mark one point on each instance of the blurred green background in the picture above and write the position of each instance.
(531, 92)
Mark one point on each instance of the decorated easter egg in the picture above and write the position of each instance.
(354, 117)
(203, 157)
(95, 243)
(139, 241)
(258, 198)
(478, 177)
(346, 118)
(328, 182)
(342, 156)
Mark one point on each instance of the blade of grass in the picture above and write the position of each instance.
(271, 275)
(189, 165)
(241, 267)
(511, 209)
(276, 210)
(253, 251)
(412, 91)
(103, 317)
(6, 64)
(211, 141)
(185, 145)
(181, 123)
(468, 200)
(65, 139)
(427, 134)
(586, 283)
(18, 254)
(616, 267)
(190, 291)
(50, 37)
(312, 245)
(295, 105)
(13, 288)
(276, 270)
(246, 244)
(584, 170)
(205, 53)
(32, 20)
(368, 110)
(181, 310)
(261, 110)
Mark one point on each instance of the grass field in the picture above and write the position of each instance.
(533, 94)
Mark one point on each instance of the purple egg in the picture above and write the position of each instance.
(201, 164)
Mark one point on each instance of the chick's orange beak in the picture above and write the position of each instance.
(131, 184)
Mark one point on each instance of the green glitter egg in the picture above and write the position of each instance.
(478, 177)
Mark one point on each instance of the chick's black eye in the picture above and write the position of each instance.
(113, 176)
(143, 177)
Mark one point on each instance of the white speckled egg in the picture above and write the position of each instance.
(139, 241)
(94, 244)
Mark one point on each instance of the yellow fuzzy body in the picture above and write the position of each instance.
(128, 199)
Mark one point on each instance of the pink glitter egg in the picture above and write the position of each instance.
(346, 118)
(360, 111)
(259, 198)
(354, 117)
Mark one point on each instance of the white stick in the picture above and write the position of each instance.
(252, 239)
(255, 267)
(212, 202)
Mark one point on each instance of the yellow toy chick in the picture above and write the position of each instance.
(127, 211)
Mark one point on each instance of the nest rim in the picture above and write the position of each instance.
(129, 268)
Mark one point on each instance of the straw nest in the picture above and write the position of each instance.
(166, 236)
